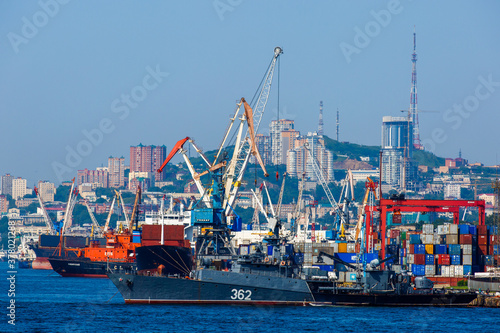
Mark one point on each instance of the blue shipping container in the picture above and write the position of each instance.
(472, 230)
(418, 270)
(352, 257)
(414, 239)
(496, 249)
(328, 268)
(429, 259)
(454, 249)
(419, 249)
(269, 250)
(488, 260)
(464, 229)
(440, 249)
(467, 269)
(456, 259)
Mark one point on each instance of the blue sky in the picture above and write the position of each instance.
(67, 68)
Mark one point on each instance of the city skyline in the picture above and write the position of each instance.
(141, 72)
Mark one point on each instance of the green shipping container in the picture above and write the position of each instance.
(403, 235)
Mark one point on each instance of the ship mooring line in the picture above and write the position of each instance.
(112, 297)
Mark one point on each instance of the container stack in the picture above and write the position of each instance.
(450, 250)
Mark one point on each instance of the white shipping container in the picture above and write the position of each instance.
(427, 239)
(467, 259)
(459, 271)
(396, 268)
(410, 258)
(437, 239)
(443, 229)
(428, 229)
(430, 270)
(452, 271)
(467, 249)
(453, 229)
(378, 246)
(341, 276)
(244, 250)
(445, 271)
(351, 248)
(335, 247)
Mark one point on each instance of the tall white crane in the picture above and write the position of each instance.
(95, 225)
(106, 226)
(69, 210)
(46, 217)
(324, 184)
(244, 149)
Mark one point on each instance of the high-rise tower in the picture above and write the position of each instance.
(320, 125)
(413, 96)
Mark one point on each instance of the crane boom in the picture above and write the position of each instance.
(96, 226)
(67, 213)
(106, 226)
(280, 199)
(135, 210)
(324, 184)
(244, 151)
(46, 217)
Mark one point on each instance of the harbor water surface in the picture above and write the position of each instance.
(47, 302)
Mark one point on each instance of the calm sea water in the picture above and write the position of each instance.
(46, 302)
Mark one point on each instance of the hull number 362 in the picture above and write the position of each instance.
(241, 294)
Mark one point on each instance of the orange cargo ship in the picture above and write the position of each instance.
(94, 260)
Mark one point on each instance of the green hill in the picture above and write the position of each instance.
(355, 151)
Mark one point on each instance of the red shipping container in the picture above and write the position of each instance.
(375, 235)
(491, 249)
(482, 240)
(419, 259)
(395, 233)
(412, 249)
(497, 259)
(403, 244)
(466, 239)
(170, 232)
(482, 230)
(482, 250)
(358, 247)
(444, 259)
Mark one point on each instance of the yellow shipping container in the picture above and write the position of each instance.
(429, 249)
(342, 247)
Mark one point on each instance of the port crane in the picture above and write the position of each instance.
(106, 225)
(67, 221)
(48, 222)
(244, 148)
(96, 229)
(336, 208)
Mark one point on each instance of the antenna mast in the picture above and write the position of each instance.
(413, 96)
(338, 123)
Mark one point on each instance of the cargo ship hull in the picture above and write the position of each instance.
(86, 268)
(453, 300)
(48, 246)
(175, 259)
(212, 287)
